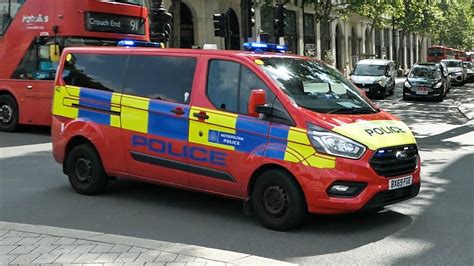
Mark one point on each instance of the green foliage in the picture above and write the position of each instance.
(456, 26)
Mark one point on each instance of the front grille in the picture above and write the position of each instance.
(388, 197)
(370, 86)
(385, 161)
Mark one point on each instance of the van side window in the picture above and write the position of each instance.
(95, 71)
(229, 85)
(168, 78)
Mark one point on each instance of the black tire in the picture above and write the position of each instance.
(85, 171)
(384, 93)
(8, 114)
(278, 201)
(406, 98)
(439, 98)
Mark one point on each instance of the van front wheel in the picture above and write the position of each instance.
(85, 171)
(278, 201)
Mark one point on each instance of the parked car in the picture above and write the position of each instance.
(446, 73)
(456, 70)
(375, 76)
(426, 80)
(469, 66)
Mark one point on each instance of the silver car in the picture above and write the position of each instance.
(456, 70)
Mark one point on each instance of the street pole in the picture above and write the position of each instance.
(159, 22)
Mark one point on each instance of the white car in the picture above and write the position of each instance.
(375, 76)
(456, 70)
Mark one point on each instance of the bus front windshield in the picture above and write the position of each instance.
(315, 86)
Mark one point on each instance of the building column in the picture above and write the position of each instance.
(382, 44)
(347, 53)
(390, 45)
(417, 49)
(300, 25)
(363, 48)
(411, 50)
(372, 45)
(332, 31)
(404, 49)
(424, 49)
(318, 41)
(258, 22)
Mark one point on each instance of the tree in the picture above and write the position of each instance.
(456, 25)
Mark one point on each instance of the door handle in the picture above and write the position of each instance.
(201, 115)
(178, 111)
(29, 87)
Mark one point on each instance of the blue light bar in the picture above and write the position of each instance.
(132, 43)
(264, 47)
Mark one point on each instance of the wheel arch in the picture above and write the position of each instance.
(267, 167)
(74, 142)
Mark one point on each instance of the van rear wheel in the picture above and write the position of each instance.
(278, 201)
(85, 171)
(8, 113)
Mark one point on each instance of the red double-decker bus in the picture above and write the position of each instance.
(32, 36)
(437, 53)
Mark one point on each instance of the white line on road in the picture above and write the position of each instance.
(17, 151)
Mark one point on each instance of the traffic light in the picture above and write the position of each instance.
(248, 17)
(220, 24)
(279, 21)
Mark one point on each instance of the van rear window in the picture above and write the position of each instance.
(95, 71)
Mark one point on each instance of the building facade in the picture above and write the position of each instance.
(348, 40)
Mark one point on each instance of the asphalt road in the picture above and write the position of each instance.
(434, 228)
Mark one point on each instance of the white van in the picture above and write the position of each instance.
(375, 76)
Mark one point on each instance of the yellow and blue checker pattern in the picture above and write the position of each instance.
(221, 130)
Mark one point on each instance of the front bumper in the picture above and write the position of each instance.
(456, 78)
(375, 192)
(372, 90)
(412, 92)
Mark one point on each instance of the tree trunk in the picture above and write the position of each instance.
(176, 28)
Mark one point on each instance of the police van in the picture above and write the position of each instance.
(285, 134)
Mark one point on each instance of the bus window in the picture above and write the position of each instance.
(8, 10)
(39, 63)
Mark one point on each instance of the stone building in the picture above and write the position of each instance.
(348, 40)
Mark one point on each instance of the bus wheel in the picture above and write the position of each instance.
(85, 170)
(8, 113)
(278, 201)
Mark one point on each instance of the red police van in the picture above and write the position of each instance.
(286, 134)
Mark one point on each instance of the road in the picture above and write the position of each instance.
(434, 228)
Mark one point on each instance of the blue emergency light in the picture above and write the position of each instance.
(265, 47)
(132, 43)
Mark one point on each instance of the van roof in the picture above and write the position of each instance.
(374, 61)
(182, 51)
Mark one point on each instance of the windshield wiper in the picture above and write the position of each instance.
(353, 110)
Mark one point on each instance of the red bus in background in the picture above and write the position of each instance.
(461, 55)
(437, 53)
(32, 35)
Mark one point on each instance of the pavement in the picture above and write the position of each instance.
(46, 245)
(466, 104)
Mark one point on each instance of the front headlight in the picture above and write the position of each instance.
(325, 141)
(407, 84)
(382, 82)
(438, 85)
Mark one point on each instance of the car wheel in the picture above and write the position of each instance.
(439, 98)
(383, 94)
(278, 201)
(406, 98)
(85, 171)
(8, 113)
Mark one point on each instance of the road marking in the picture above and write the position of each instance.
(17, 151)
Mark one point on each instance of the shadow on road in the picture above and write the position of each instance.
(26, 136)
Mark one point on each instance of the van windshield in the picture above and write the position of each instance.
(315, 86)
(369, 70)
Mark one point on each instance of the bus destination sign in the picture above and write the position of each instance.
(104, 22)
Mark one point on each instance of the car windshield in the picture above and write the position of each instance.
(453, 63)
(467, 65)
(425, 72)
(315, 86)
(369, 70)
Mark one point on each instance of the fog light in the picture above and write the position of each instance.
(339, 188)
(347, 189)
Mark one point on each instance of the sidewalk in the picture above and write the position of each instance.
(36, 244)
(466, 104)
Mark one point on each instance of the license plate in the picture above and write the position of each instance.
(399, 182)
(422, 91)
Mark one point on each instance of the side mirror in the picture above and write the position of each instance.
(257, 98)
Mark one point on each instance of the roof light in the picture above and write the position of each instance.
(264, 47)
(129, 43)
